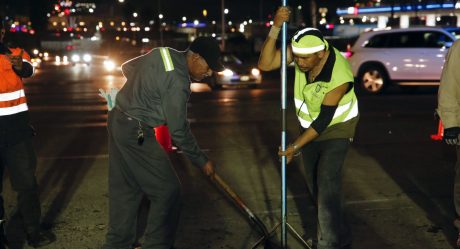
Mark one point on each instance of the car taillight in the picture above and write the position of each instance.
(348, 54)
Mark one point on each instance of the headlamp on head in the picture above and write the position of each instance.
(308, 41)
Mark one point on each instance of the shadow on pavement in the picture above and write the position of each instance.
(423, 169)
(68, 171)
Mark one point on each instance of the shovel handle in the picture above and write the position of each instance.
(228, 190)
(252, 217)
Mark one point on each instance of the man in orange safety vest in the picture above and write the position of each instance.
(17, 154)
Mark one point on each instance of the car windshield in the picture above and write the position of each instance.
(455, 32)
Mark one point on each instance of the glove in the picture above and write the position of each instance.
(451, 135)
(110, 97)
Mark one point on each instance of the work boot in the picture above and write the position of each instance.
(312, 243)
(3, 240)
(41, 238)
(458, 241)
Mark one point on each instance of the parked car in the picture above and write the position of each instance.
(236, 73)
(407, 57)
(455, 31)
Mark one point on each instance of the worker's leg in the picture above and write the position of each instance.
(124, 192)
(160, 183)
(310, 157)
(333, 231)
(21, 162)
(457, 194)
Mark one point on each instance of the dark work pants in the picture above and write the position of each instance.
(457, 187)
(20, 161)
(136, 170)
(323, 162)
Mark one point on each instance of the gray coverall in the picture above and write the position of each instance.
(155, 93)
(449, 107)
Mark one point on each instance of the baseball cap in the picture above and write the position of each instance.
(308, 41)
(208, 48)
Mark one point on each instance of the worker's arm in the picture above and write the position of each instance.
(328, 107)
(174, 103)
(21, 64)
(270, 56)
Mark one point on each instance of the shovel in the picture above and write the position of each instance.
(253, 219)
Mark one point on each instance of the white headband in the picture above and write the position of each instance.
(311, 50)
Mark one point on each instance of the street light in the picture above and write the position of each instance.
(223, 25)
(160, 16)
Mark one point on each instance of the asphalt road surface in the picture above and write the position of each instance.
(397, 181)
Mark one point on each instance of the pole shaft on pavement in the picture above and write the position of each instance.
(283, 134)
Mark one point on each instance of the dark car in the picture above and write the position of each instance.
(236, 73)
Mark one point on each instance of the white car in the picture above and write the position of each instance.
(407, 57)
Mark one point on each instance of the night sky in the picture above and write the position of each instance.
(239, 9)
(175, 9)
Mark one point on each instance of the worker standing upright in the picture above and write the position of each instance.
(327, 110)
(16, 150)
(449, 112)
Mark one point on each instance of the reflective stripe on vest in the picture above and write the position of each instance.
(339, 111)
(12, 103)
(167, 61)
(12, 96)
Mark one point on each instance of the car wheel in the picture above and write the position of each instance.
(373, 79)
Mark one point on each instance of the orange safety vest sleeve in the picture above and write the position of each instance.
(12, 96)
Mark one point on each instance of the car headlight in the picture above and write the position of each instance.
(255, 72)
(109, 65)
(87, 57)
(227, 72)
(75, 58)
(35, 62)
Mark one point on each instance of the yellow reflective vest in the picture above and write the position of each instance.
(308, 96)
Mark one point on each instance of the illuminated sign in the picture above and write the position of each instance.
(402, 8)
(191, 25)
